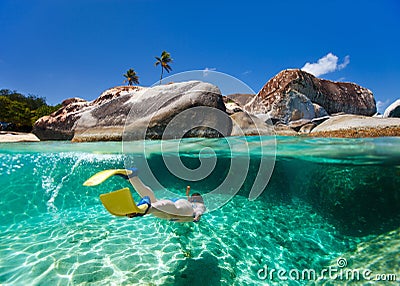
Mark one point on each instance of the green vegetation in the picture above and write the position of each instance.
(131, 77)
(163, 61)
(19, 112)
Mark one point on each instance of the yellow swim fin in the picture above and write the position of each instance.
(121, 203)
(100, 177)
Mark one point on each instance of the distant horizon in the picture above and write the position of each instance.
(64, 49)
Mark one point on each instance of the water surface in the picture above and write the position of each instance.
(325, 197)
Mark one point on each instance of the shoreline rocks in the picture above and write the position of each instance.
(9, 136)
(353, 126)
(138, 113)
(293, 103)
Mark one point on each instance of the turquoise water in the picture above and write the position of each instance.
(324, 198)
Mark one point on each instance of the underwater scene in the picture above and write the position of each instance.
(329, 214)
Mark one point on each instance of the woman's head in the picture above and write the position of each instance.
(196, 198)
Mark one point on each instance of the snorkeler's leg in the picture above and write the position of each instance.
(142, 189)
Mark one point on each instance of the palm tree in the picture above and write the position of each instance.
(131, 77)
(163, 61)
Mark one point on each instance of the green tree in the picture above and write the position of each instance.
(131, 77)
(32, 101)
(22, 111)
(43, 111)
(15, 112)
(164, 61)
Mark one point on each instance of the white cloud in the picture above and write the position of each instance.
(206, 71)
(246, 72)
(382, 105)
(326, 64)
(346, 61)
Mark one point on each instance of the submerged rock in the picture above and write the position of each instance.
(378, 255)
(358, 200)
(333, 97)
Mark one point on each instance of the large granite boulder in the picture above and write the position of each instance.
(393, 110)
(334, 97)
(291, 107)
(61, 124)
(187, 109)
(106, 117)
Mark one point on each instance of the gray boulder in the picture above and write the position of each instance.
(297, 124)
(60, 124)
(292, 106)
(334, 97)
(231, 106)
(190, 109)
(247, 124)
(148, 110)
(354, 122)
(307, 128)
(319, 111)
(393, 110)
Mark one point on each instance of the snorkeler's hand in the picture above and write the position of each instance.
(197, 218)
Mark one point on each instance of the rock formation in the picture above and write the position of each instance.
(247, 124)
(353, 121)
(11, 136)
(105, 118)
(294, 101)
(379, 254)
(357, 126)
(393, 110)
(241, 98)
(61, 124)
(292, 107)
(290, 95)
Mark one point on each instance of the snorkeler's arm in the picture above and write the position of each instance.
(198, 213)
(196, 217)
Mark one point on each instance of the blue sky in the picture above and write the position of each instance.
(65, 48)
